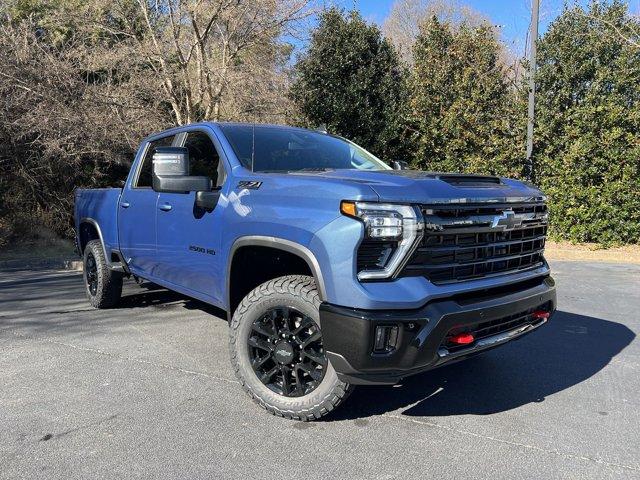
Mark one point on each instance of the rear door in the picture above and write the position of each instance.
(137, 214)
(188, 238)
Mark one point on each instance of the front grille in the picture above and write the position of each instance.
(489, 328)
(465, 242)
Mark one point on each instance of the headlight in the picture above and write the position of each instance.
(397, 229)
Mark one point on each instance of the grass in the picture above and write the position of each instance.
(591, 252)
(38, 248)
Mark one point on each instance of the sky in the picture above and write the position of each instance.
(513, 16)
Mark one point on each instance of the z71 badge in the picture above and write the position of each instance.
(251, 185)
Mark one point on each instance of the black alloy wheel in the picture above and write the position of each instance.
(103, 285)
(286, 353)
(91, 274)
(277, 350)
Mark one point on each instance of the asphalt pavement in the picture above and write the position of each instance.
(146, 391)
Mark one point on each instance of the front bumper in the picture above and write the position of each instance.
(348, 334)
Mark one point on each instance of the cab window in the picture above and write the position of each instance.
(204, 158)
(144, 179)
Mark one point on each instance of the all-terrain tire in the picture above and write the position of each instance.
(103, 286)
(298, 292)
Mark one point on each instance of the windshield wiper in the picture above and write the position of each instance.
(311, 169)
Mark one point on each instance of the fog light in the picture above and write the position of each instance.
(386, 338)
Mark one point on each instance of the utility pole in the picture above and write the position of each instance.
(531, 115)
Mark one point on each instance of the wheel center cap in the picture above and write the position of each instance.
(283, 352)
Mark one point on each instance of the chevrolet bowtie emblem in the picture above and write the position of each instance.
(507, 221)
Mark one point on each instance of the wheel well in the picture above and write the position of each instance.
(88, 232)
(254, 265)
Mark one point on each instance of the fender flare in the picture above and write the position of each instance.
(94, 224)
(279, 244)
(122, 266)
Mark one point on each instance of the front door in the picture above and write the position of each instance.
(137, 214)
(188, 238)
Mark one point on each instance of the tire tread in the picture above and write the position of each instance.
(303, 287)
(109, 282)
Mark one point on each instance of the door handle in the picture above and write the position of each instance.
(125, 204)
(165, 207)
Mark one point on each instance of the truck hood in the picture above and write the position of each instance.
(413, 186)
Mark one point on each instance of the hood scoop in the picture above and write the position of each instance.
(470, 180)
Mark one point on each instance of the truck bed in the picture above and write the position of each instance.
(100, 207)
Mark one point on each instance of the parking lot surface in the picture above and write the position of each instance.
(146, 391)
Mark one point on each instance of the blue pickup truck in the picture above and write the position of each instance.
(334, 269)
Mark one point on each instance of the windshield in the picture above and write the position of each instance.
(285, 149)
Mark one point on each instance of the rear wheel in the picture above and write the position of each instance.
(277, 351)
(103, 286)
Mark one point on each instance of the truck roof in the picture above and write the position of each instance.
(181, 128)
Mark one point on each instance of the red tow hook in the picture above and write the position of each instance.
(541, 314)
(462, 339)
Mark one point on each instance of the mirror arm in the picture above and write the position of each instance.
(208, 200)
(400, 165)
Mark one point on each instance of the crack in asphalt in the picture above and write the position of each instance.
(164, 344)
(511, 443)
(122, 357)
(392, 416)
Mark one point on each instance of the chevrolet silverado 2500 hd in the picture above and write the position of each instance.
(335, 269)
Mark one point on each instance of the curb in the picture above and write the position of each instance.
(41, 264)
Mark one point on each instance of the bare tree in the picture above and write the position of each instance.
(402, 26)
(71, 115)
(630, 34)
(204, 51)
(82, 82)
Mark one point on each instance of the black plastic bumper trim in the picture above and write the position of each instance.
(348, 333)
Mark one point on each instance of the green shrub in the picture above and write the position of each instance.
(464, 113)
(587, 146)
(351, 81)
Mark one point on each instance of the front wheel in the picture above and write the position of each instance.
(277, 351)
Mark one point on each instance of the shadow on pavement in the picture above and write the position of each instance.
(568, 350)
(54, 303)
(152, 294)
